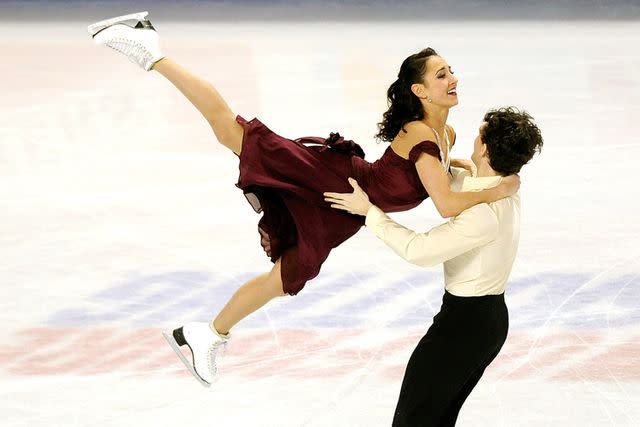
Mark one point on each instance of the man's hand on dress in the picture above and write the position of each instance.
(356, 203)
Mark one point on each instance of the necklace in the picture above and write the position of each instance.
(445, 164)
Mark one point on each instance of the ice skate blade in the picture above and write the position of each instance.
(176, 348)
(95, 28)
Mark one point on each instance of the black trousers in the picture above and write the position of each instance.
(466, 335)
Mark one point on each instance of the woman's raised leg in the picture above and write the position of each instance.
(207, 100)
(135, 37)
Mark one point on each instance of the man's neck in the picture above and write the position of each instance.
(485, 170)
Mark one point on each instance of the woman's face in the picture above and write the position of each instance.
(440, 83)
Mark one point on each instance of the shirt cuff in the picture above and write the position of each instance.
(374, 217)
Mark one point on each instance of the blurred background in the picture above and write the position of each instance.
(334, 10)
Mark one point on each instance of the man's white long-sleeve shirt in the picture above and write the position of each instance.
(478, 247)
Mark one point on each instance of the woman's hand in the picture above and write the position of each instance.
(465, 164)
(356, 203)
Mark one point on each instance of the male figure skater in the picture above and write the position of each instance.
(478, 248)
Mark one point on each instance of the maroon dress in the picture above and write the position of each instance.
(286, 180)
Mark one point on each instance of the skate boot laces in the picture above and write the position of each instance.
(215, 354)
(133, 49)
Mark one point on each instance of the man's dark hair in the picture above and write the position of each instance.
(512, 138)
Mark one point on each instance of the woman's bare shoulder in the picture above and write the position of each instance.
(416, 132)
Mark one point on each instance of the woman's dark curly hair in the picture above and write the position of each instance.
(404, 105)
(512, 138)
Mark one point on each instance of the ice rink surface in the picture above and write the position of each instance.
(119, 218)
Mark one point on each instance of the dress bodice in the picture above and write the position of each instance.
(392, 182)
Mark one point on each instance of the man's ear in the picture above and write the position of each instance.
(483, 151)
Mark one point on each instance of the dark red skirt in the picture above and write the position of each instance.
(285, 179)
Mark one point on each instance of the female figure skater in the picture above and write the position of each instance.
(286, 179)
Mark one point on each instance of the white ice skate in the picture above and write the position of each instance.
(132, 35)
(206, 349)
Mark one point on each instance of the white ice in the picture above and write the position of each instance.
(119, 217)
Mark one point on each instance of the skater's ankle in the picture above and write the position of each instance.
(217, 332)
(155, 64)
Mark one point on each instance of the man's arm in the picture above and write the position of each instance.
(474, 227)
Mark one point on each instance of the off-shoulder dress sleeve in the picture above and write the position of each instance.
(428, 147)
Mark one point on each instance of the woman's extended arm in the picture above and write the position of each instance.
(450, 203)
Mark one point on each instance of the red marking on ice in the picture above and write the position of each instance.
(532, 355)
(322, 353)
(620, 362)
